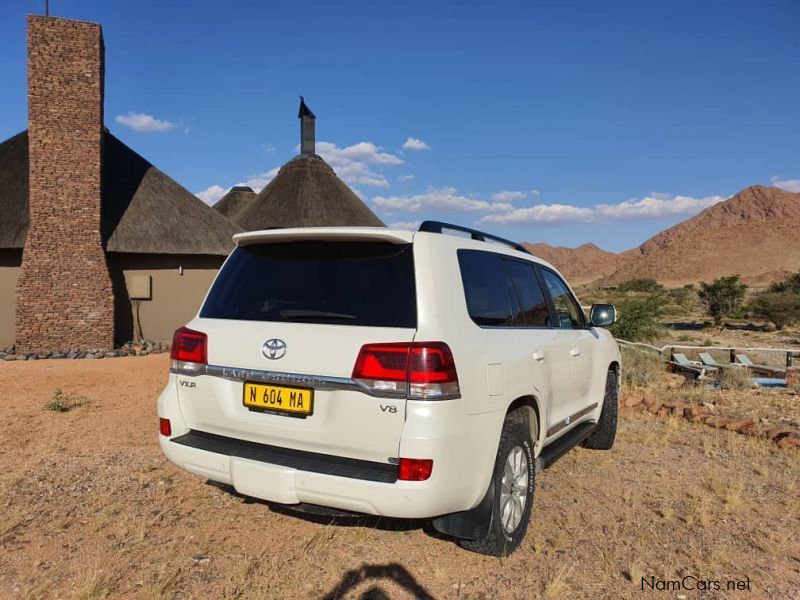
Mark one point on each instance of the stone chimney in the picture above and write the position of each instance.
(64, 297)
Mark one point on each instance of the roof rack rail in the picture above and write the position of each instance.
(438, 226)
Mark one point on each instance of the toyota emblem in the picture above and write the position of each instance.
(273, 349)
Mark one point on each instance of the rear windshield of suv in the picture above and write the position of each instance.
(341, 283)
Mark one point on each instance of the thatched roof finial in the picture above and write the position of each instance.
(307, 136)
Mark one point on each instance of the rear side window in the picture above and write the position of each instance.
(342, 283)
(568, 312)
(502, 292)
(486, 288)
(534, 310)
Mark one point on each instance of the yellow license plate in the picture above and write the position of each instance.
(277, 398)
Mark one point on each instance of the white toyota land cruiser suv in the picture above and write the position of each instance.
(417, 375)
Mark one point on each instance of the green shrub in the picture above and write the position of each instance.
(779, 308)
(62, 402)
(640, 284)
(685, 297)
(790, 284)
(723, 297)
(638, 319)
(641, 367)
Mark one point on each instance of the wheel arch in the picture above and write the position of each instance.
(615, 366)
(526, 410)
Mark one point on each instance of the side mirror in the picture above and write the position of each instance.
(603, 315)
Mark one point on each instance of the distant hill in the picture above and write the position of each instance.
(755, 234)
(580, 265)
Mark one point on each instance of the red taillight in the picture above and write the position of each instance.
(414, 469)
(431, 362)
(189, 345)
(386, 362)
(420, 369)
(165, 427)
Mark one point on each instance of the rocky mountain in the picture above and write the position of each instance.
(580, 265)
(754, 234)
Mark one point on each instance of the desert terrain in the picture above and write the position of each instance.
(91, 509)
(751, 234)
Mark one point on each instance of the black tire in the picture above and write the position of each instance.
(606, 432)
(498, 542)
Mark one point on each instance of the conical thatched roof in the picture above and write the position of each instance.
(143, 210)
(232, 204)
(307, 193)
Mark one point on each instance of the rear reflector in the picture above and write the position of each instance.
(189, 352)
(414, 469)
(165, 427)
(422, 370)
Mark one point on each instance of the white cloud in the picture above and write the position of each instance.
(506, 196)
(446, 199)
(541, 213)
(354, 163)
(407, 225)
(212, 194)
(653, 206)
(141, 122)
(790, 185)
(534, 192)
(260, 180)
(413, 143)
(405, 178)
(656, 205)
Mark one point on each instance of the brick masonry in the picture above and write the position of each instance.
(64, 296)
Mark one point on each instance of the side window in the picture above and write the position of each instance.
(486, 289)
(568, 312)
(534, 311)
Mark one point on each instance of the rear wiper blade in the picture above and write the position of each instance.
(300, 313)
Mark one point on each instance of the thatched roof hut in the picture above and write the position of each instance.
(143, 210)
(232, 204)
(307, 193)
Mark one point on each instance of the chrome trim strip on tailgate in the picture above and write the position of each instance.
(317, 382)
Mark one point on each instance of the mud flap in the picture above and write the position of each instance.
(472, 524)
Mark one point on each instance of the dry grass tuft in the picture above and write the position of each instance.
(641, 367)
(556, 587)
(634, 573)
(735, 378)
(96, 585)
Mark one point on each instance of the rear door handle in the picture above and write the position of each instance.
(575, 352)
(538, 355)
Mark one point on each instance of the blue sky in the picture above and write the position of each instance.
(563, 122)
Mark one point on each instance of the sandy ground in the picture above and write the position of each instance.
(91, 509)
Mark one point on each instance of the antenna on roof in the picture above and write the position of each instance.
(307, 135)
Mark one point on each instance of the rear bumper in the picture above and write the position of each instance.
(463, 459)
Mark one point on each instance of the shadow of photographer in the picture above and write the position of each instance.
(371, 576)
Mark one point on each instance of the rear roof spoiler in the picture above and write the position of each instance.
(275, 236)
